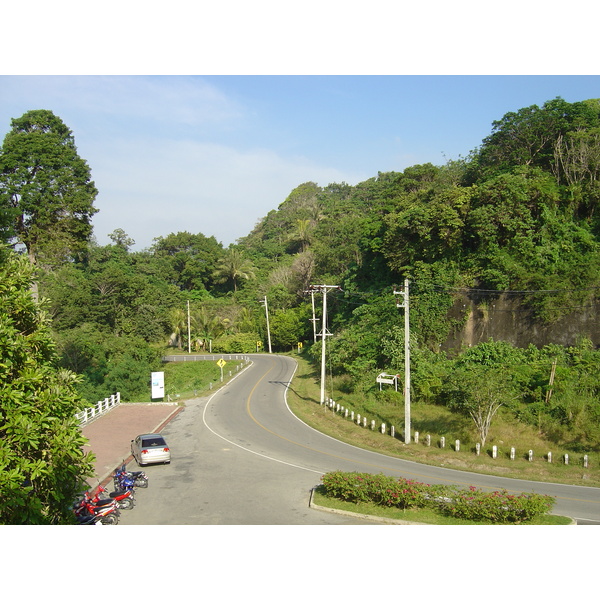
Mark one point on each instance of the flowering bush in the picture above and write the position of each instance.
(380, 489)
(497, 506)
(474, 505)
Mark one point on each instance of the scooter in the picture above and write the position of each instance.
(140, 479)
(89, 519)
(123, 483)
(125, 498)
(106, 510)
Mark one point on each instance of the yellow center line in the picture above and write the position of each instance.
(249, 411)
(403, 472)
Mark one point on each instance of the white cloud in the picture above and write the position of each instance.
(102, 100)
(167, 154)
(153, 188)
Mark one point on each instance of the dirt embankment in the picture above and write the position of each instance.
(504, 318)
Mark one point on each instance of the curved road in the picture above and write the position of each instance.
(242, 457)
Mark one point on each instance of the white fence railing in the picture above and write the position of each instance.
(90, 413)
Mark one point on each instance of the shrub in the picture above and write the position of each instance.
(238, 343)
(381, 489)
(474, 505)
(497, 506)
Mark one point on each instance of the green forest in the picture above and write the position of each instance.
(519, 215)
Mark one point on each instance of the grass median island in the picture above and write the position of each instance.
(414, 515)
(389, 498)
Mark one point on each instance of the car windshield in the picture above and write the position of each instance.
(149, 443)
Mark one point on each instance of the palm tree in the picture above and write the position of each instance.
(178, 321)
(208, 327)
(233, 266)
(302, 233)
(245, 321)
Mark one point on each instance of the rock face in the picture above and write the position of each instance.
(505, 319)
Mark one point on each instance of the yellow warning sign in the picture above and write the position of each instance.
(221, 363)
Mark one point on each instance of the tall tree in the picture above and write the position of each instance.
(190, 259)
(233, 266)
(207, 327)
(46, 192)
(121, 239)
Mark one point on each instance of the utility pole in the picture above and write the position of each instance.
(324, 289)
(189, 331)
(314, 318)
(405, 305)
(268, 328)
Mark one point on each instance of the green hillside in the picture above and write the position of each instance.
(505, 240)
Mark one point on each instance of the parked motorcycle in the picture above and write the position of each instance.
(89, 519)
(106, 510)
(125, 498)
(123, 483)
(140, 479)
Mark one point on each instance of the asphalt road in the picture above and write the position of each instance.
(241, 457)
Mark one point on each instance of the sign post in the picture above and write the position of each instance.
(221, 364)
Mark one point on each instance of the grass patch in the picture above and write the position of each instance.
(185, 380)
(414, 515)
(303, 400)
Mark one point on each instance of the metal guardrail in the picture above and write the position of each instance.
(92, 412)
(195, 357)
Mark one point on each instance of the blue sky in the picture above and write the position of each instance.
(214, 154)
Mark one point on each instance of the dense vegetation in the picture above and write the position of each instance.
(42, 464)
(519, 214)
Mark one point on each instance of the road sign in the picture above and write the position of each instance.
(221, 364)
(158, 385)
(385, 378)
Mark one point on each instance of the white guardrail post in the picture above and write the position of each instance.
(90, 413)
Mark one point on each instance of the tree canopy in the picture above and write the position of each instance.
(46, 192)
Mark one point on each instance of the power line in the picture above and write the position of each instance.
(496, 292)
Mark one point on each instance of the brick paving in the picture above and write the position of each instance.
(110, 435)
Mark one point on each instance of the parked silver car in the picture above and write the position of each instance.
(150, 448)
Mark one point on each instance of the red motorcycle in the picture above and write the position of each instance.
(106, 511)
(125, 498)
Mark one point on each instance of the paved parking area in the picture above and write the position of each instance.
(110, 435)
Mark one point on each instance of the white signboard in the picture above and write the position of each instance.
(385, 378)
(158, 384)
